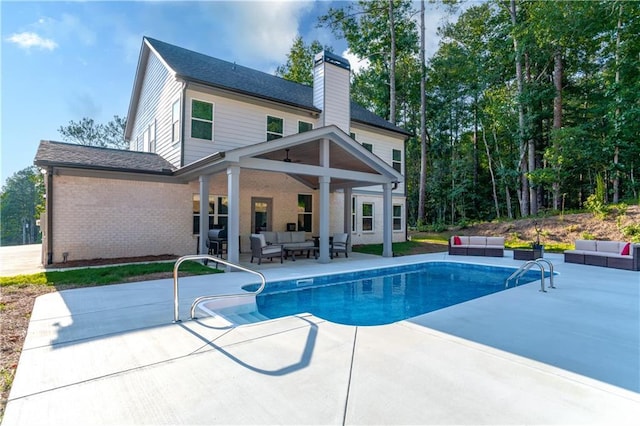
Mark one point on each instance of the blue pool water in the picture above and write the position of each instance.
(384, 296)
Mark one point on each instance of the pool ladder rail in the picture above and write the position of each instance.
(176, 313)
(528, 265)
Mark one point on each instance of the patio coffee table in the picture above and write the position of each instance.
(292, 252)
(528, 254)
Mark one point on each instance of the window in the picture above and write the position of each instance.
(222, 215)
(353, 214)
(175, 121)
(201, 120)
(367, 217)
(152, 136)
(275, 128)
(196, 212)
(397, 160)
(397, 217)
(353, 136)
(145, 140)
(305, 213)
(303, 126)
(367, 146)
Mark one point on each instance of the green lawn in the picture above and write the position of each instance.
(103, 275)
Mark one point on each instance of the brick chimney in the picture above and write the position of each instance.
(331, 93)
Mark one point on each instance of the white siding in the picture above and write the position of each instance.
(383, 146)
(336, 108)
(159, 91)
(235, 124)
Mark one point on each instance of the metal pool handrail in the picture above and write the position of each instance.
(523, 269)
(176, 314)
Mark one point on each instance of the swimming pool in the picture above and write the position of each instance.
(386, 295)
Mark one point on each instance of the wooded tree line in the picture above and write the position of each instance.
(526, 103)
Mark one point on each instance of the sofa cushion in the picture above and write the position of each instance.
(608, 246)
(478, 241)
(457, 241)
(588, 245)
(298, 237)
(495, 241)
(269, 237)
(626, 250)
(284, 237)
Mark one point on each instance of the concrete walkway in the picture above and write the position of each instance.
(18, 260)
(111, 355)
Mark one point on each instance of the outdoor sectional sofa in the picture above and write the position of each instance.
(610, 254)
(291, 241)
(476, 246)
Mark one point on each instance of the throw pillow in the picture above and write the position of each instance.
(626, 250)
(457, 241)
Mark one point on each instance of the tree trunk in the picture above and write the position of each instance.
(523, 193)
(531, 154)
(423, 125)
(616, 153)
(493, 178)
(557, 116)
(392, 67)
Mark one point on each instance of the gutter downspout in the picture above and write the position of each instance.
(183, 97)
(49, 207)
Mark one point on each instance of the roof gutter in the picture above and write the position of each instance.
(49, 209)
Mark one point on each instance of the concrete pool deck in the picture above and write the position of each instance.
(112, 355)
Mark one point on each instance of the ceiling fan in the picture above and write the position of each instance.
(287, 159)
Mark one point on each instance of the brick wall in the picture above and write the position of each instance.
(108, 218)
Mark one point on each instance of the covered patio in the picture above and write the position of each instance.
(324, 159)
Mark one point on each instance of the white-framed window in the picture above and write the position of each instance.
(145, 140)
(354, 219)
(367, 217)
(304, 126)
(368, 146)
(152, 136)
(201, 120)
(397, 217)
(218, 212)
(353, 136)
(275, 127)
(175, 121)
(396, 160)
(305, 212)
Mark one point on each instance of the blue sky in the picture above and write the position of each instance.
(62, 61)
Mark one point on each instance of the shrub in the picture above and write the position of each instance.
(632, 232)
(588, 236)
(595, 202)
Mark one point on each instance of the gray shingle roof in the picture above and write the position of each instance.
(61, 154)
(204, 69)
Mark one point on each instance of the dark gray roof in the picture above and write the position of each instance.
(61, 154)
(196, 67)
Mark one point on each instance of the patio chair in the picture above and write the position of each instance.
(260, 249)
(339, 244)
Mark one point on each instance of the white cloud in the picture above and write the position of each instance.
(259, 31)
(357, 64)
(28, 40)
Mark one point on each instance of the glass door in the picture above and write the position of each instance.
(260, 214)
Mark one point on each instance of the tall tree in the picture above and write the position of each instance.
(20, 205)
(384, 33)
(299, 65)
(88, 132)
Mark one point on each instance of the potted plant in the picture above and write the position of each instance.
(536, 244)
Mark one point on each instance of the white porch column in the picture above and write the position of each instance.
(325, 202)
(324, 219)
(347, 214)
(233, 220)
(204, 213)
(387, 219)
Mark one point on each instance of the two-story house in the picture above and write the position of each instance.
(213, 143)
